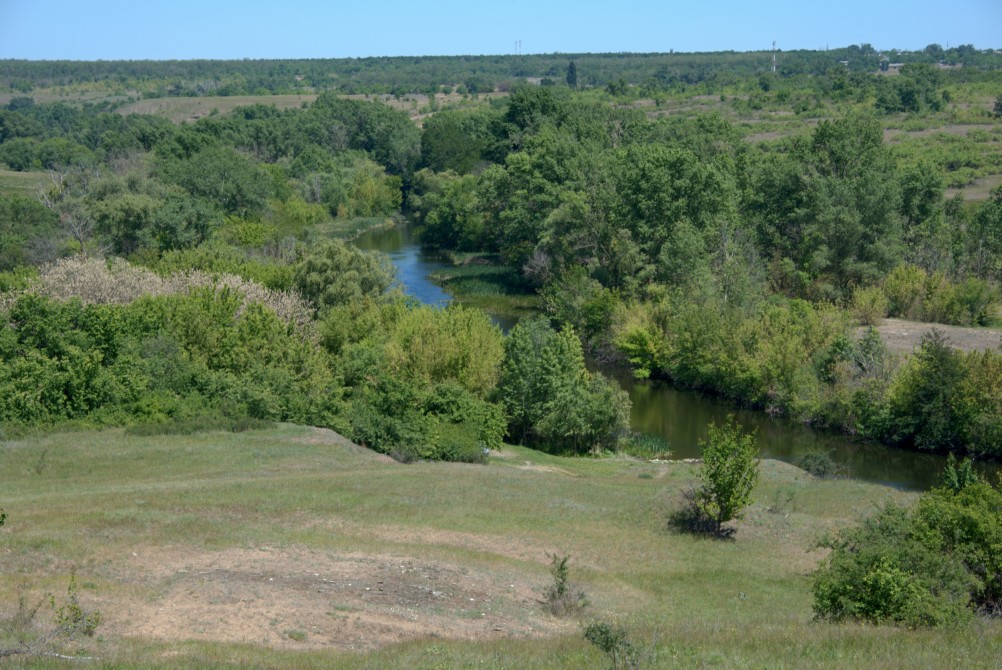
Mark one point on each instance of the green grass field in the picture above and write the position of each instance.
(291, 547)
(22, 183)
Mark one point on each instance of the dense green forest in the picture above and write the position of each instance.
(472, 74)
(647, 232)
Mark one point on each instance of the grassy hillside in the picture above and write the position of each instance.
(294, 548)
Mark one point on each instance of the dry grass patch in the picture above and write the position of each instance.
(903, 337)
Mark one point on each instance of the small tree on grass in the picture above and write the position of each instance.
(729, 473)
(563, 597)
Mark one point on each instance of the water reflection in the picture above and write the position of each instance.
(681, 417)
(413, 265)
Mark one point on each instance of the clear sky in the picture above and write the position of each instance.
(184, 29)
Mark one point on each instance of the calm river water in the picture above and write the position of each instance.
(679, 416)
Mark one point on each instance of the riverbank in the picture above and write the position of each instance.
(679, 417)
(293, 547)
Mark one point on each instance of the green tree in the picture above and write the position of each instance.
(550, 397)
(922, 399)
(728, 475)
(231, 181)
(336, 274)
(572, 74)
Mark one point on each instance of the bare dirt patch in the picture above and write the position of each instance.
(311, 599)
(903, 337)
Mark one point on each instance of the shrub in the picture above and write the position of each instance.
(883, 571)
(869, 305)
(904, 288)
(728, 475)
(200, 424)
(965, 518)
(337, 274)
(613, 640)
(562, 597)
(116, 282)
(922, 397)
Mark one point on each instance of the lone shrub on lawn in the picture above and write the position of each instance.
(729, 473)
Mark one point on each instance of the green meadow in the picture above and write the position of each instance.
(291, 547)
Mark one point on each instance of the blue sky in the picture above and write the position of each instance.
(183, 29)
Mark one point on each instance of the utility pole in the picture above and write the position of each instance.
(774, 56)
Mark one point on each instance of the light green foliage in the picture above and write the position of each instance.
(216, 258)
(766, 357)
(958, 477)
(551, 399)
(416, 378)
(428, 345)
(915, 294)
(71, 617)
(357, 187)
(336, 274)
(905, 289)
(157, 358)
(728, 475)
(882, 571)
(965, 519)
(869, 305)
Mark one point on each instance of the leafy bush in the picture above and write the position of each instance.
(965, 518)
(883, 571)
(728, 475)
(336, 274)
(613, 640)
(869, 305)
(932, 566)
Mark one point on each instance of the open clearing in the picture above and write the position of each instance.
(292, 546)
(903, 337)
(22, 183)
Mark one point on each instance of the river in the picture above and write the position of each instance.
(681, 416)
